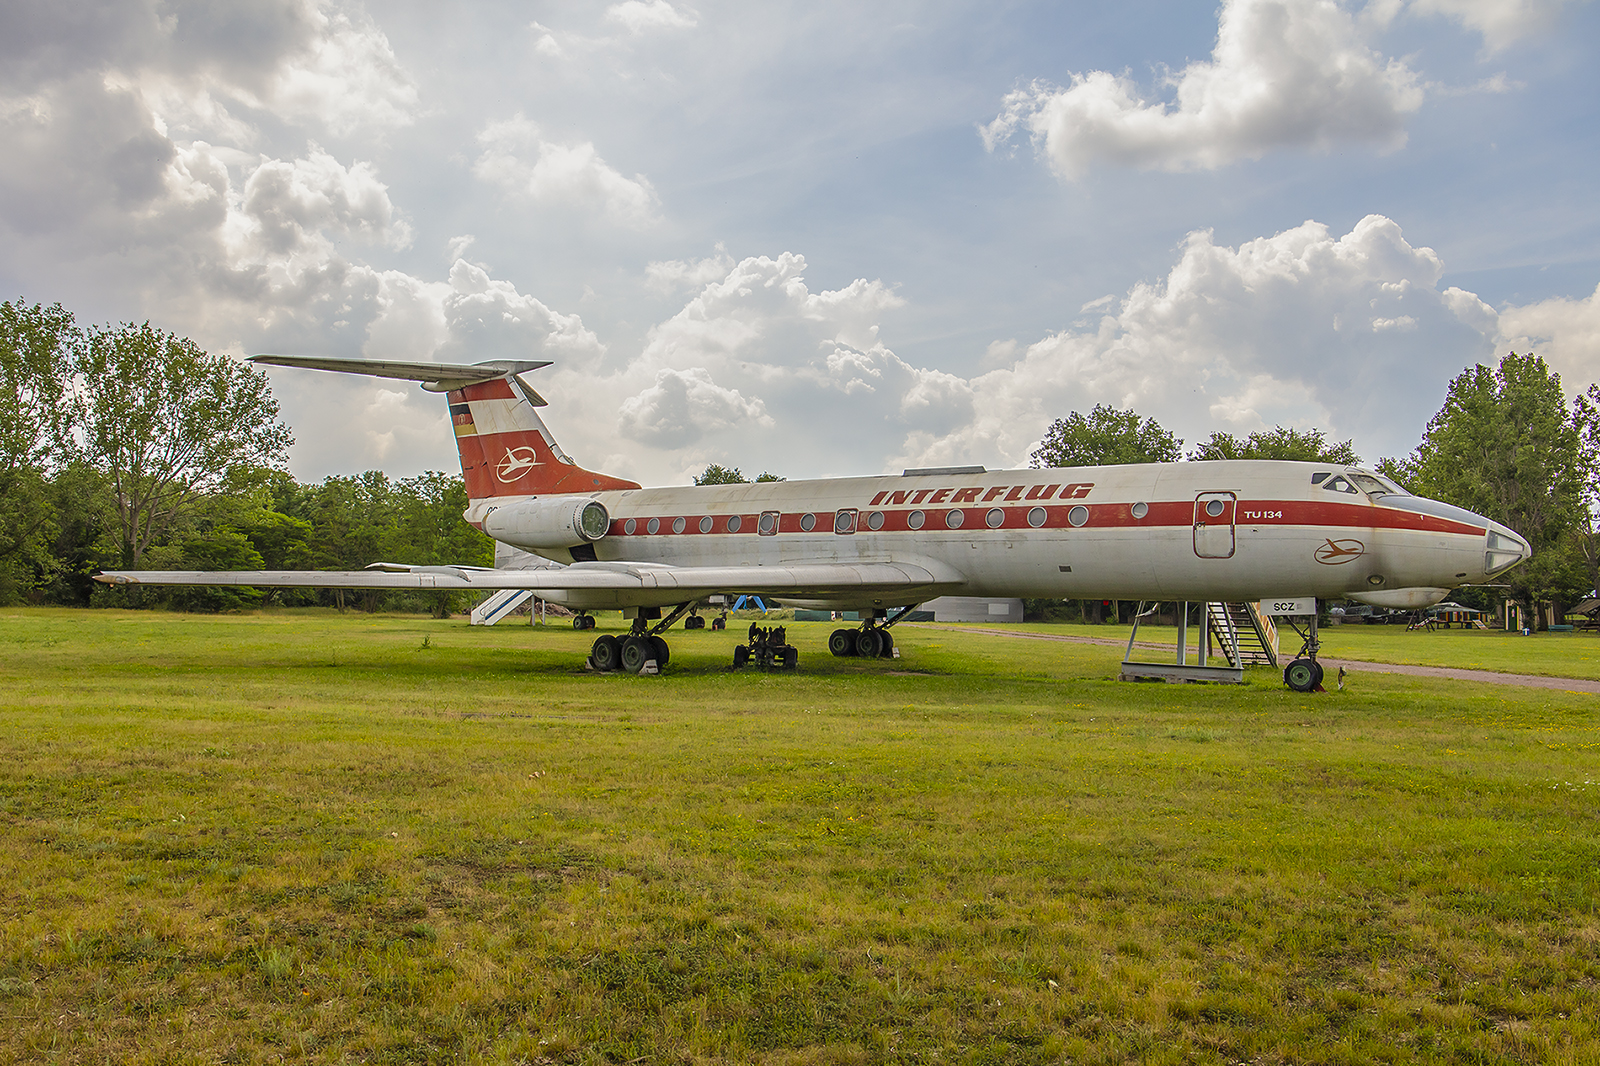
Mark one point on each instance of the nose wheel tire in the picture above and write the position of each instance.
(1303, 675)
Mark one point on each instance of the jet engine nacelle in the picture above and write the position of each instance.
(550, 522)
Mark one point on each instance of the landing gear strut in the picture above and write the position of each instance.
(643, 646)
(871, 641)
(1304, 674)
(768, 649)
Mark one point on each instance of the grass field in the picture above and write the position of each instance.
(314, 837)
(1545, 654)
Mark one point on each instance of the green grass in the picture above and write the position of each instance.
(1548, 654)
(312, 837)
(1545, 654)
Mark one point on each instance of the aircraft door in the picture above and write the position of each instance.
(1213, 524)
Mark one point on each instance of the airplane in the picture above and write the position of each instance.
(1230, 530)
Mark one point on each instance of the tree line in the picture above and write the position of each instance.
(129, 447)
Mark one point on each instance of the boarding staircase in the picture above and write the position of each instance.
(499, 605)
(1245, 635)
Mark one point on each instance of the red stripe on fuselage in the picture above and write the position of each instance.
(1290, 513)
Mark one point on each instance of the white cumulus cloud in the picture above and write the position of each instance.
(1347, 333)
(489, 319)
(684, 405)
(639, 16)
(1565, 332)
(346, 76)
(520, 161)
(292, 202)
(1500, 22)
(672, 274)
(1284, 74)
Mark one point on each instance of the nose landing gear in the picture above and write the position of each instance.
(1304, 674)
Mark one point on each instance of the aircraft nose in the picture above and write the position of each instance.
(1503, 549)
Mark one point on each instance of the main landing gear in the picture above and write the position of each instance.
(643, 650)
(871, 641)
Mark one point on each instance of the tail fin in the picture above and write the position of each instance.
(505, 448)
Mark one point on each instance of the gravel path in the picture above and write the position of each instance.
(1490, 677)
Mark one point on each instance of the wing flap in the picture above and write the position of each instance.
(431, 578)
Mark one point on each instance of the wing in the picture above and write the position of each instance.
(602, 585)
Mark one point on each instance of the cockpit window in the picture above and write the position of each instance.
(1340, 483)
(1375, 486)
(1319, 477)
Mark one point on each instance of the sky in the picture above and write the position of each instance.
(820, 239)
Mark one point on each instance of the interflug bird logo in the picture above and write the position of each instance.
(517, 461)
(1334, 552)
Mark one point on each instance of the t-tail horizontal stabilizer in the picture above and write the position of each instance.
(506, 449)
(435, 377)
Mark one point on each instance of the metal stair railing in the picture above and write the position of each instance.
(1244, 633)
(1267, 630)
(1260, 644)
(1223, 628)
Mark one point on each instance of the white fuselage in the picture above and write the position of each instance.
(1235, 530)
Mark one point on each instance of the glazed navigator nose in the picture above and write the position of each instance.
(1502, 549)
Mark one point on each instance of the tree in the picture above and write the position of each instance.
(1106, 436)
(1280, 442)
(717, 474)
(428, 528)
(170, 423)
(37, 349)
(82, 536)
(1586, 416)
(1504, 445)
